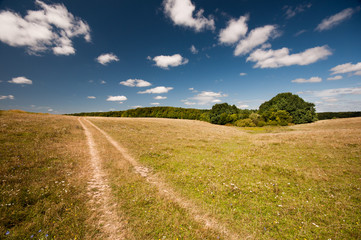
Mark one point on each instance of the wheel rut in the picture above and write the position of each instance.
(200, 216)
(104, 208)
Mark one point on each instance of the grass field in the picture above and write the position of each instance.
(299, 182)
(42, 186)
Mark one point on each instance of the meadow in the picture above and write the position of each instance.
(295, 182)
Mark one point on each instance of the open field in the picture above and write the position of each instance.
(180, 179)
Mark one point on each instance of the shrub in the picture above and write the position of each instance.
(245, 123)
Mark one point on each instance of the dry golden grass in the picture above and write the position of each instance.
(298, 182)
(150, 209)
(43, 178)
(295, 182)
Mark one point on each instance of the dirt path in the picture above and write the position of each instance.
(111, 225)
(200, 216)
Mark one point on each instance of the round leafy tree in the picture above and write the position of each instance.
(299, 110)
(223, 113)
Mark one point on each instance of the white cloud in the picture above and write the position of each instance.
(330, 99)
(160, 98)
(169, 61)
(358, 73)
(91, 97)
(139, 106)
(299, 32)
(181, 13)
(243, 106)
(50, 110)
(2, 97)
(293, 11)
(281, 57)
(157, 90)
(106, 58)
(242, 74)
(194, 49)
(103, 82)
(338, 105)
(135, 83)
(255, 38)
(334, 92)
(311, 80)
(155, 104)
(188, 103)
(116, 98)
(346, 68)
(338, 77)
(205, 98)
(234, 30)
(50, 27)
(336, 19)
(21, 80)
(193, 90)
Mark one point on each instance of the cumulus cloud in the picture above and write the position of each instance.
(336, 19)
(157, 90)
(205, 98)
(334, 92)
(2, 97)
(135, 83)
(255, 38)
(242, 74)
(119, 99)
(282, 57)
(338, 77)
(155, 103)
(311, 80)
(193, 49)
(91, 97)
(181, 12)
(234, 31)
(50, 27)
(169, 61)
(346, 68)
(106, 58)
(21, 80)
(290, 12)
(160, 98)
(138, 106)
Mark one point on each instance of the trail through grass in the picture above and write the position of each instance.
(301, 184)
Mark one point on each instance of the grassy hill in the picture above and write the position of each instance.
(298, 182)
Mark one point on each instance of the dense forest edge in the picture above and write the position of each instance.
(282, 110)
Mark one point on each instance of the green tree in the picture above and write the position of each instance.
(300, 110)
(222, 113)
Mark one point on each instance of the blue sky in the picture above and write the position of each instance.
(71, 56)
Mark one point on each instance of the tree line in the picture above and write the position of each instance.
(282, 110)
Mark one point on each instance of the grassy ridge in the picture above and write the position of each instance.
(301, 184)
(42, 194)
